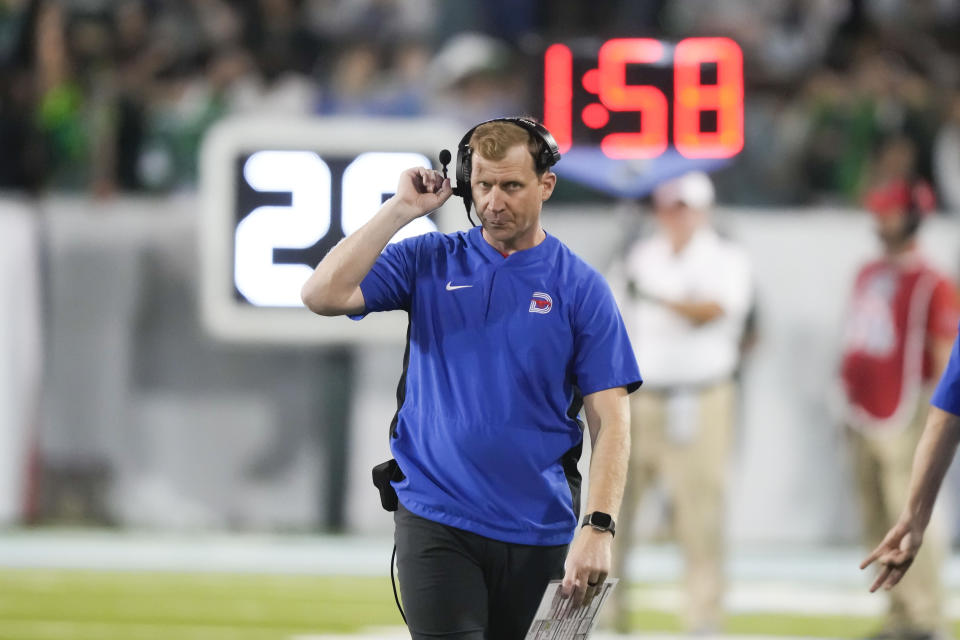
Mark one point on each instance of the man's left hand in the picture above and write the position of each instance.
(587, 565)
(895, 553)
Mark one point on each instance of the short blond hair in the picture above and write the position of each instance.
(493, 140)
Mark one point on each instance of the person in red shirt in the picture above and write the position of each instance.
(898, 336)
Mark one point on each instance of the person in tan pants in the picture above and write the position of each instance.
(686, 295)
(694, 474)
(897, 339)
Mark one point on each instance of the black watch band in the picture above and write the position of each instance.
(600, 521)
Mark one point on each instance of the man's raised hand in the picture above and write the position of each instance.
(421, 191)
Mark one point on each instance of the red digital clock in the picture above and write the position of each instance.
(634, 97)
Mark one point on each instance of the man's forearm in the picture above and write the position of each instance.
(608, 470)
(340, 272)
(935, 452)
(610, 430)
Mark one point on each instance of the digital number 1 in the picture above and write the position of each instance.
(558, 94)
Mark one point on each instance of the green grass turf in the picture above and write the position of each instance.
(82, 605)
(92, 605)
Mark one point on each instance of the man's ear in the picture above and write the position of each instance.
(547, 184)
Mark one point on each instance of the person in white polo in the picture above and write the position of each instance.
(685, 298)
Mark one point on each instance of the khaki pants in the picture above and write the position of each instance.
(693, 467)
(882, 463)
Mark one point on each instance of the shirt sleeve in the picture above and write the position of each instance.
(944, 311)
(389, 284)
(947, 394)
(603, 355)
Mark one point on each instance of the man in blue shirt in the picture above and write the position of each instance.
(935, 452)
(510, 335)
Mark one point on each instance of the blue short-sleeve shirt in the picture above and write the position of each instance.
(947, 394)
(501, 351)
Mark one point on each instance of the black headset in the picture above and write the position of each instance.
(548, 155)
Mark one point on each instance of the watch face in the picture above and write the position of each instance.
(602, 520)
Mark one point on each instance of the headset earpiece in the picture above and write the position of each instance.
(464, 165)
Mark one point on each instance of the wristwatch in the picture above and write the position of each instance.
(600, 521)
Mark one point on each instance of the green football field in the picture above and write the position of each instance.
(90, 605)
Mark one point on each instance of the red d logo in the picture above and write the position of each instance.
(540, 302)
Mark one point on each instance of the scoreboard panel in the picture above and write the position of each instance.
(635, 97)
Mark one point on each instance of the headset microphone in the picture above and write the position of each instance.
(444, 161)
(445, 158)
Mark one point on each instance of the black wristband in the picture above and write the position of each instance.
(600, 521)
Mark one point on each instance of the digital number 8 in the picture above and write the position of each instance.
(692, 98)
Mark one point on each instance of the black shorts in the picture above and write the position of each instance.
(463, 586)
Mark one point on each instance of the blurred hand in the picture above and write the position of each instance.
(587, 565)
(895, 553)
(421, 191)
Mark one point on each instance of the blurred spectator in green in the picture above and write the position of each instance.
(60, 102)
(851, 113)
(187, 99)
(176, 86)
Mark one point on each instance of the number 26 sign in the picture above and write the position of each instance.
(277, 195)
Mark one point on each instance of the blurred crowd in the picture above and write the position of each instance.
(107, 96)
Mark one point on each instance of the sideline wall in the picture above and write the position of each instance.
(151, 423)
